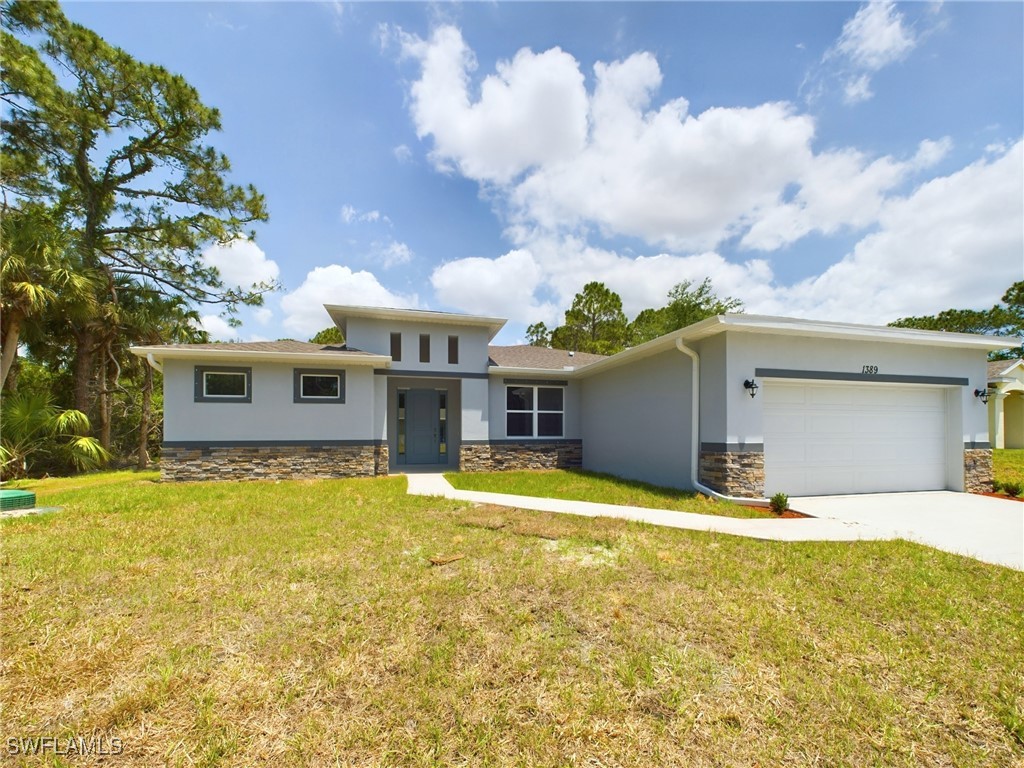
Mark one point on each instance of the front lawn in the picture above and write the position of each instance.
(303, 623)
(580, 485)
(1008, 466)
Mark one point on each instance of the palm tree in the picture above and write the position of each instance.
(36, 269)
(38, 435)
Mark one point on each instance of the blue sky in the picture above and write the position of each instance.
(851, 162)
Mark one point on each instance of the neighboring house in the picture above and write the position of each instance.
(1006, 403)
(836, 408)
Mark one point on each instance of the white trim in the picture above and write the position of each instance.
(335, 376)
(341, 312)
(245, 384)
(535, 411)
(186, 352)
(783, 326)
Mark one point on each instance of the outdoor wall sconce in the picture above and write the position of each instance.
(983, 395)
(751, 386)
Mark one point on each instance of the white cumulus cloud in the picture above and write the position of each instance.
(241, 263)
(955, 242)
(532, 110)
(218, 328)
(335, 284)
(505, 286)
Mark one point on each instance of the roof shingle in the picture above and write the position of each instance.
(527, 356)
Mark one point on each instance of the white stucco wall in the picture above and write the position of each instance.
(636, 420)
(272, 414)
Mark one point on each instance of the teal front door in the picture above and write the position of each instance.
(423, 427)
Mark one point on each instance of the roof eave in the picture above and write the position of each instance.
(339, 313)
(161, 353)
(552, 373)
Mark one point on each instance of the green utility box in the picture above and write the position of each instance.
(16, 500)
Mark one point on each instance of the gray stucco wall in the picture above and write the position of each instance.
(374, 336)
(272, 414)
(636, 420)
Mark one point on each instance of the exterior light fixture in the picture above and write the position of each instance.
(751, 386)
(983, 395)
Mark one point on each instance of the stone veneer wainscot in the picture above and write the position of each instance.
(978, 470)
(273, 462)
(521, 454)
(733, 473)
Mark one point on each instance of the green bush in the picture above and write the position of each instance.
(1010, 487)
(779, 503)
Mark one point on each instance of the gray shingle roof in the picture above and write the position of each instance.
(526, 356)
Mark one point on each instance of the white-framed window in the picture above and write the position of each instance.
(223, 384)
(319, 386)
(534, 410)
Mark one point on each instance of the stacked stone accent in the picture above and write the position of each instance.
(733, 473)
(506, 456)
(978, 470)
(279, 462)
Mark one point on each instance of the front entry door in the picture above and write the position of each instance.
(423, 427)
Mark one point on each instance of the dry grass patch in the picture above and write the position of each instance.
(304, 624)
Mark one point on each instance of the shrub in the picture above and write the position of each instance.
(1011, 487)
(779, 503)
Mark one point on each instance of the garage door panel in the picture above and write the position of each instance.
(785, 424)
(826, 438)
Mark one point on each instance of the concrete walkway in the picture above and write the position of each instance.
(943, 522)
(809, 529)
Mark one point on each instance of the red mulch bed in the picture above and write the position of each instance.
(1001, 496)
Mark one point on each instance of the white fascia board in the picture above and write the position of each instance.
(534, 373)
(786, 326)
(316, 359)
(340, 312)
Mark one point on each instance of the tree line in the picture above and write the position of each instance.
(110, 194)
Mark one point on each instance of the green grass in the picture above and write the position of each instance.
(1008, 465)
(302, 624)
(580, 485)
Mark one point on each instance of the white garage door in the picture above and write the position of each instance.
(839, 438)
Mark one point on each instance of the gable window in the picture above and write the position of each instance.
(424, 347)
(319, 386)
(534, 411)
(396, 347)
(453, 350)
(223, 384)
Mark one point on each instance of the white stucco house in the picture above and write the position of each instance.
(1006, 403)
(740, 405)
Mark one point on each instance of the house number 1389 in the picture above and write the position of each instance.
(869, 369)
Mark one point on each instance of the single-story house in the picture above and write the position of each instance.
(1006, 403)
(739, 405)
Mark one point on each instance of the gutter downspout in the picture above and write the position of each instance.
(695, 435)
(158, 367)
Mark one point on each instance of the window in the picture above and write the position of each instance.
(534, 411)
(318, 386)
(402, 393)
(223, 384)
(424, 347)
(453, 350)
(396, 347)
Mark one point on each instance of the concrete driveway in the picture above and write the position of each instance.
(982, 527)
